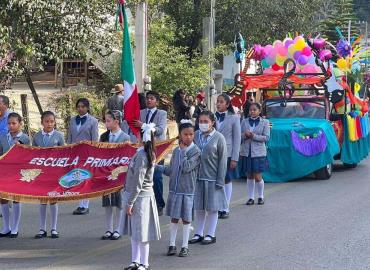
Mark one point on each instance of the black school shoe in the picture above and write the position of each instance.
(13, 235)
(184, 252)
(54, 234)
(5, 234)
(261, 201)
(143, 267)
(223, 215)
(81, 211)
(195, 240)
(208, 242)
(41, 234)
(171, 251)
(115, 236)
(132, 266)
(107, 235)
(250, 202)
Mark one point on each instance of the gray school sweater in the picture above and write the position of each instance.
(183, 170)
(213, 161)
(139, 179)
(6, 143)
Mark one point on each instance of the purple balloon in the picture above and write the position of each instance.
(302, 60)
(296, 55)
(288, 42)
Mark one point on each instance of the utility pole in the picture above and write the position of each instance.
(141, 41)
(208, 46)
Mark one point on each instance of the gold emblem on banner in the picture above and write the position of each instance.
(116, 172)
(30, 175)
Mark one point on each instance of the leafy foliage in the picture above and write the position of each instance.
(342, 13)
(41, 30)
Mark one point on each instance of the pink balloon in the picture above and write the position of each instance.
(302, 60)
(296, 55)
(282, 51)
(268, 48)
(307, 51)
(277, 43)
(309, 69)
(270, 61)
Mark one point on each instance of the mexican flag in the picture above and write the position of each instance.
(132, 104)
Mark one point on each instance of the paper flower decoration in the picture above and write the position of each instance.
(344, 48)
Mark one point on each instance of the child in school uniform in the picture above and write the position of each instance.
(114, 134)
(209, 196)
(14, 136)
(182, 171)
(48, 137)
(228, 124)
(255, 132)
(140, 220)
(159, 117)
(83, 127)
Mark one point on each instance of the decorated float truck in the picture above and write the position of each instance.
(315, 115)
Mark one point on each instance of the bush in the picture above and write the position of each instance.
(65, 104)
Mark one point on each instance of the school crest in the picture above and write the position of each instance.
(74, 178)
(116, 172)
(30, 175)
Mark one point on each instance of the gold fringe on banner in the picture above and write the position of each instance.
(47, 199)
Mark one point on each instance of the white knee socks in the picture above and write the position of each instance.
(144, 253)
(228, 193)
(109, 218)
(54, 216)
(212, 218)
(260, 188)
(16, 217)
(173, 233)
(185, 234)
(250, 187)
(84, 204)
(135, 249)
(42, 210)
(6, 218)
(200, 221)
(119, 213)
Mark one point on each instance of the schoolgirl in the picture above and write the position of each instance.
(48, 137)
(255, 135)
(14, 136)
(182, 171)
(209, 196)
(114, 134)
(83, 127)
(228, 124)
(140, 219)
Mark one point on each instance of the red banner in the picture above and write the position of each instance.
(72, 172)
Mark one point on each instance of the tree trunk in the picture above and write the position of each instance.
(33, 90)
(25, 113)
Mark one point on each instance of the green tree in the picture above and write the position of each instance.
(36, 32)
(169, 65)
(340, 16)
(362, 9)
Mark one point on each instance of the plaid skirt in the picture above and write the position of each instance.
(254, 165)
(114, 199)
(180, 206)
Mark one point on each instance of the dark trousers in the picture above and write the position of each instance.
(158, 187)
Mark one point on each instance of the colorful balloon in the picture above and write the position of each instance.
(291, 50)
(296, 55)
(302, 60)
(287, 42)
(275, 67)
(307, 51)
(300, 44)
(264, 63)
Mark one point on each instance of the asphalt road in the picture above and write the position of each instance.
(306, 224)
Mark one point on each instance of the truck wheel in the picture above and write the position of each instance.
(324, 173)
(350, 166)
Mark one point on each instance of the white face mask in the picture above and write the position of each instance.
(204, 127)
